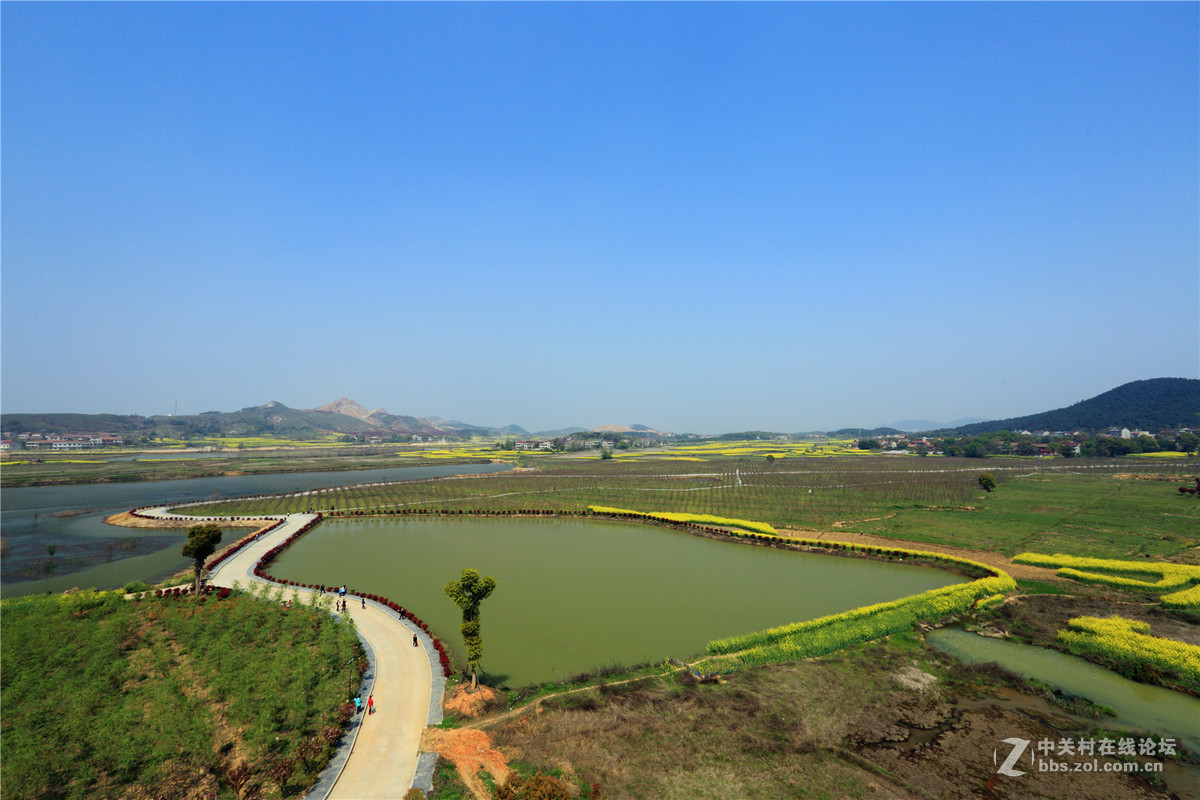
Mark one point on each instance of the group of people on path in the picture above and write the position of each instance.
(358, 704)
(340, 605)
(341, 608)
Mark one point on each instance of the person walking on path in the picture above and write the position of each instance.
(415, 644)
(357, 704)
(364, 601)
(370, 704)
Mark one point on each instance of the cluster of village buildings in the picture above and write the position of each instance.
(900, 443)
(58, 441)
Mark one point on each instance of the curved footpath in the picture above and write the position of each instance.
(380, 756)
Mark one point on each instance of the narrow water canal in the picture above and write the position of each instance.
(1138, 706)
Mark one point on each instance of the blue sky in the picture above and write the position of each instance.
(699, 217)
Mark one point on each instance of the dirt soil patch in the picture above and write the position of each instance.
(466, 703)
(470, 750)
(1038, 618)
(127, 520)
(1023, 571)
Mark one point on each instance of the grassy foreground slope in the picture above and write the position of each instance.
(102, 696)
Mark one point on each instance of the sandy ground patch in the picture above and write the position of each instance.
(471, 704)
(470, 750)
(126, 519)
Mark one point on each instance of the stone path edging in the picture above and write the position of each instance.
(337, 762)
(241, 564)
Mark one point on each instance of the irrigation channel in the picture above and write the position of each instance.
(1138, 706)
(91, 554)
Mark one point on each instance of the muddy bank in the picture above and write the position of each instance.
(126, 519)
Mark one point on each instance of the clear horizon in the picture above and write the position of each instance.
(664, 428)
(696, 217)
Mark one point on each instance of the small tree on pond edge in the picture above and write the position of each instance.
(467, 593)
(202, 542)
(987, 482)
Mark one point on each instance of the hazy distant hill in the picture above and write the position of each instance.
(640, 429)
(76, 423)
(515, 430)
(1151, 405)
(861, 432)
(272, 417)
(378, 419)
(559, 432)
(349, 408)
(912, 425)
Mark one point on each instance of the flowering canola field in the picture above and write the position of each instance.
(1126, 640)
(1156, 576)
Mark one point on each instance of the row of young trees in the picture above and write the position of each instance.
(1090, 445)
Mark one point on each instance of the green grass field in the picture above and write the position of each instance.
(168, 695)
(1112, 508)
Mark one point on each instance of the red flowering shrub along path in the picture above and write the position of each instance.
(386, 744)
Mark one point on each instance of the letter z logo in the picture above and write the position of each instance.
(1018, 749)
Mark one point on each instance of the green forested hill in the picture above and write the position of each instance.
(1153, 405)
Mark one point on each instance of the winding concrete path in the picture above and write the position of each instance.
(406, 681)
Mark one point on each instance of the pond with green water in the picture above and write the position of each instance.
(574, 595)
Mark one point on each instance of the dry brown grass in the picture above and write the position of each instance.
(843, 726)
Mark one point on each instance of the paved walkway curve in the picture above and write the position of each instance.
(407, 681)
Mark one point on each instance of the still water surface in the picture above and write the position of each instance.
(1138, 706)
(28, 521)
(576, 594)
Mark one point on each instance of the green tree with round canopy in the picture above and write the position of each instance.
(202, 542)
(467, 593)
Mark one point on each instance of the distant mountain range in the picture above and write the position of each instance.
(342, 416)
(1153, 405)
